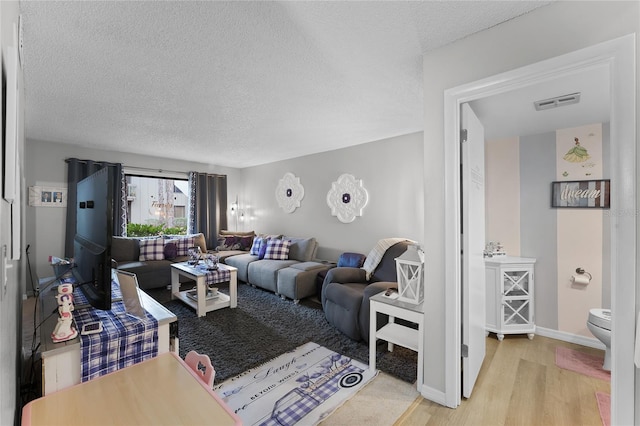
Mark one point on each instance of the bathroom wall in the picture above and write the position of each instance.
(502, 194)
(579, 231)
(560, 239)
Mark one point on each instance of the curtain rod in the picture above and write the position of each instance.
(168, 172)
(144, 169)
(148, 169)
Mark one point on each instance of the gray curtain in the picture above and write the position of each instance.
(207, 205)
(80, 169)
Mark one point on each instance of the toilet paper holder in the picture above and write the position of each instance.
(581, 271)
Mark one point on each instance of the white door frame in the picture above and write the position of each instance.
(619, 56)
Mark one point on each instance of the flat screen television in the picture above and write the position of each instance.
(92, 242)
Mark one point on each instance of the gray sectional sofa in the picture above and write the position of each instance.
(293, 277)
(153, 268)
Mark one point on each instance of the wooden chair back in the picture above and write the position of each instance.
(201, 365)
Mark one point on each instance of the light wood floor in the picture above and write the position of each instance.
(519, 384)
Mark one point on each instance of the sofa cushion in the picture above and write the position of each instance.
(255, 247)
(224, 232)
(277, 250)
(170, 249)
(151, 249)
(263, 248)
(351, 260)
(386, 269)
(245, 242)
(302, 249)
(264, 273)
(309, 266)
(124, 249)
(152, 274)
(241, 262)
(184, 244)
(192, 241)
(228, 242)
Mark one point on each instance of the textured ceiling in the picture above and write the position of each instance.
(235, 83)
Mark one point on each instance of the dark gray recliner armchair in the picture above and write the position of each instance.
(346, 293)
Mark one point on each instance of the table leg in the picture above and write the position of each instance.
(233, 289)
(175, 283)
(389, 344)
(372, 336)
(201, 289)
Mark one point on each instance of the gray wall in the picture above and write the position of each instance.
(538, 222)
(45, 166)
(545, 33)
(391, 171)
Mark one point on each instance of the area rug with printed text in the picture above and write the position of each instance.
(304, 385)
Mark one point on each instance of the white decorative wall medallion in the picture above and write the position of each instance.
(289, 192)
(347, 197)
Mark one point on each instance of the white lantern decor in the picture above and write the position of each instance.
(410, 275)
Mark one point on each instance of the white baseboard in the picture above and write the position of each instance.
(434, 395)
(590, 342)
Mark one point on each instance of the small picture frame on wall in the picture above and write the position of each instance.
(581, 194)
(46, 196)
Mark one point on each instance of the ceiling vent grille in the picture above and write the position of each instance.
(550, 103)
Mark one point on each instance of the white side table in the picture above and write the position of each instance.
(395, 333)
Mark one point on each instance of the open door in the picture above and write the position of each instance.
(473, 242)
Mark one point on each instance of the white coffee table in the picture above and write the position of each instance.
(201, 304)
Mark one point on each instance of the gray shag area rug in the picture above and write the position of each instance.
(264, 326)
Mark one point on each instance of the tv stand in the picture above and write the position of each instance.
(61, 365)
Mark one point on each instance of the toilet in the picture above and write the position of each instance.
(599, 325)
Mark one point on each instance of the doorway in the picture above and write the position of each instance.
(618, 56)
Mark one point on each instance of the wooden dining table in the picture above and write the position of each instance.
(160, 391)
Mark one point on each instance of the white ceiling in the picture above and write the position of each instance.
(235, 83)
(513, 113)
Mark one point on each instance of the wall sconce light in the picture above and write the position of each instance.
(237, 212)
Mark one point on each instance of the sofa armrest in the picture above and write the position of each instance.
(345, 275)
(308, 266)
(375, 288)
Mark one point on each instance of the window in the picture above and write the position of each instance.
(156, 205)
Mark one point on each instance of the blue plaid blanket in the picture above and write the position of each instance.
(215, 277)
(124, 341)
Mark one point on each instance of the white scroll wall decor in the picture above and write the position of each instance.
(289, 192)
(347, 198)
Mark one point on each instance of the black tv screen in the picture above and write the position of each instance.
(92, 242)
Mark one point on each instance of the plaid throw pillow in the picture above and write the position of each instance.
(263, 248)
(255, 247)
(184, 244)
(277, 249)
(152, 249)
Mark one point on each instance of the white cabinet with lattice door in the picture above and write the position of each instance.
(510, 302)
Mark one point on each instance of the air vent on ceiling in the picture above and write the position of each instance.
(573, 98)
